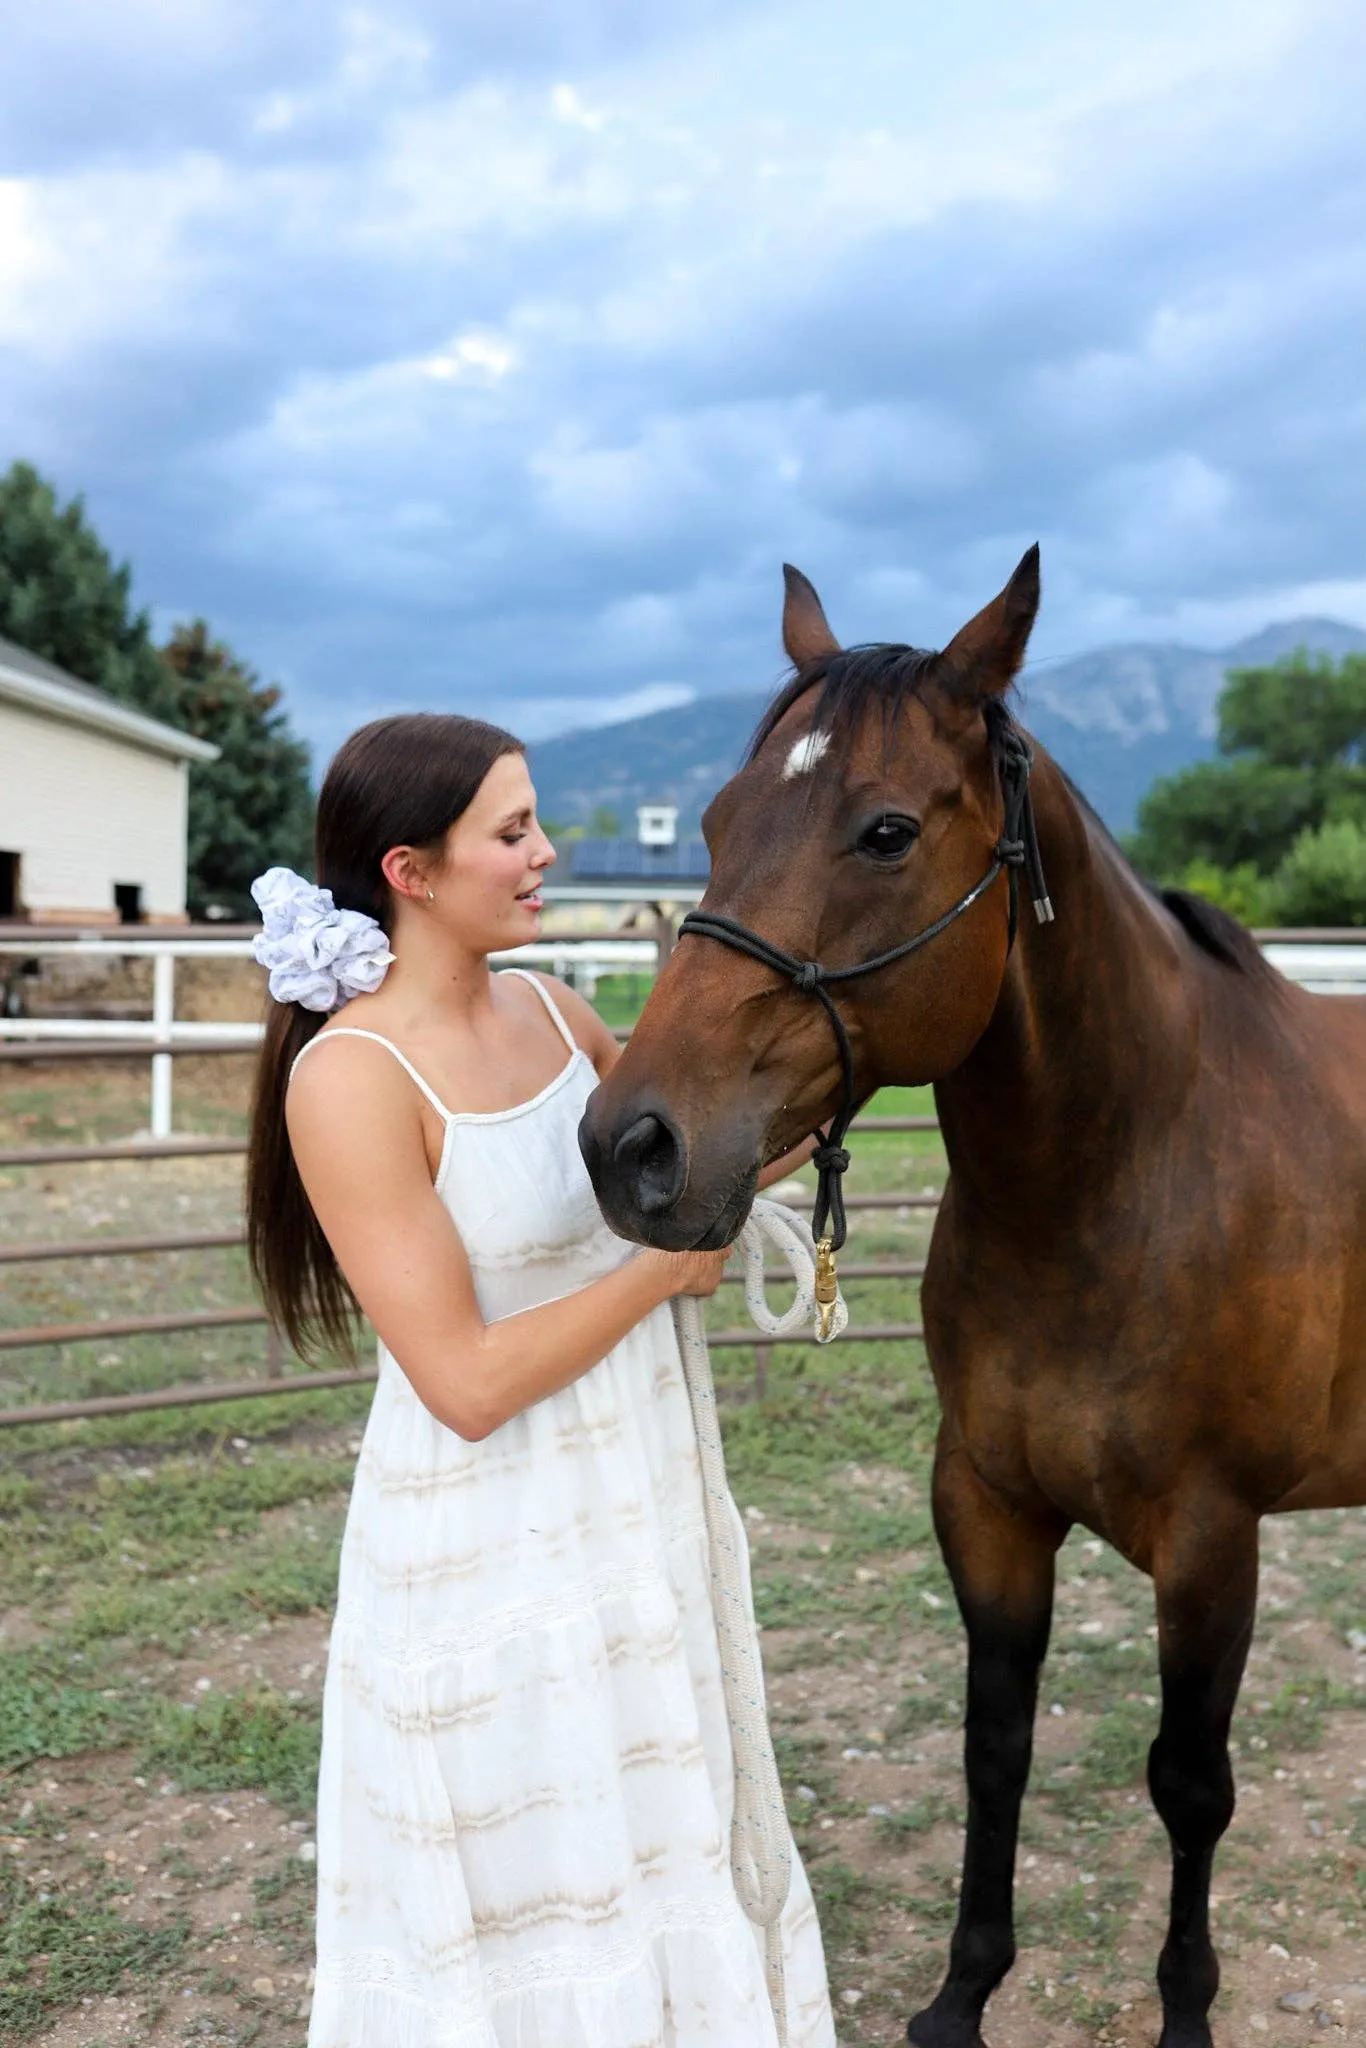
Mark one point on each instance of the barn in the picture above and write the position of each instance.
(93, 802)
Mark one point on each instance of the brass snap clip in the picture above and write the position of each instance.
(827, 1287)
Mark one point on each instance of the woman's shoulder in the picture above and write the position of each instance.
(345, 1056)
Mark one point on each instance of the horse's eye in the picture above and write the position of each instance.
(889, 838)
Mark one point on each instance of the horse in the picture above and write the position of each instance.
(1144, 1303)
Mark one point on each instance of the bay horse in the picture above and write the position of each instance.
(1145, 1298)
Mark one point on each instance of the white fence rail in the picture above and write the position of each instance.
(1328, 966)
(581, 959)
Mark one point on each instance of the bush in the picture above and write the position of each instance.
(1241, 891)
(1322, 880)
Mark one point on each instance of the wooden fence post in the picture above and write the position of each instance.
(665, 935)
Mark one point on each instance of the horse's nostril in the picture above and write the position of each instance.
(650, 1158)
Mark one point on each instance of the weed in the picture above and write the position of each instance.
(1295, 1714)
(44, 1714)
(789, 1600)
(1117, 1754)
(846, 1899)
(283, 1904)
(923, 1708)
(55, 1951)
(917, 1818)
(1083, 1916)
(258, 1741)
(802, 1760)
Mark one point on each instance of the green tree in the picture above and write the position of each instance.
(1304, 711)
(62, 598)
(252, 808)
(1245, 894)
(1322, 880)
(1224, 813)
(1293, 740)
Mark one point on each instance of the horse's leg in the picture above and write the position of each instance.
(1205, 1575)
(1001, 1563)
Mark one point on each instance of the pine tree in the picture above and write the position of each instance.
(252, 808)
(62, 598)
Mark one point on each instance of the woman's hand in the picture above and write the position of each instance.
(697, 1273)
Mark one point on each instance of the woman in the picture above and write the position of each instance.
(525, 1792)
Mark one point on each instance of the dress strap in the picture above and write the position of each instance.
(354, 1031)
(525, 974)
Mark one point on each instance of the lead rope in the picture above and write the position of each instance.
(760, 1839)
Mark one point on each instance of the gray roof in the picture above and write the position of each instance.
(27, 679)
(626, 860)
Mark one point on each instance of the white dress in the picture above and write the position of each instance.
(525, 1792)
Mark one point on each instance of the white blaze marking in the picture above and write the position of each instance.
(806, 751)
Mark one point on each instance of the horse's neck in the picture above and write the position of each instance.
(1091, 1040)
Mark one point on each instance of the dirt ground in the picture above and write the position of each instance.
(866, 1715)
(165, 1588)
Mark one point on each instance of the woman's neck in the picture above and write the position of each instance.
(435, 981)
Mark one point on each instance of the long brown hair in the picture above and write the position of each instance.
(397, 782)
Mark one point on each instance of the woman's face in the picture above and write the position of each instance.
(486, 887)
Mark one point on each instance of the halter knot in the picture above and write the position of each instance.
(830, 1159)
(1010, 852)
(807, 977)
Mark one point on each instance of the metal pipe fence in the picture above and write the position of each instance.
(580, 957)
(39, 1335)
(1324, 961)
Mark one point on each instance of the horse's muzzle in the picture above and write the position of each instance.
(639, 1170)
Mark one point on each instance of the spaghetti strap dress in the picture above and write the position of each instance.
(525, 1792)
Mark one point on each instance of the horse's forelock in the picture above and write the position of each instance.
(884, 676)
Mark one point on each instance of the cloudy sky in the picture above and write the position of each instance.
(492, 354)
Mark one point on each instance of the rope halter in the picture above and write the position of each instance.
(1017, 848)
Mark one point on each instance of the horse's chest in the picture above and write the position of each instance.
(1101, 1429)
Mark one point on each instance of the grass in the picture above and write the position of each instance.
(257, 1741)
(846, 1900)
(917, 1818)
(45, 1713)
(56, 1952)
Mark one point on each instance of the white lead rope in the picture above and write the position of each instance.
(760, 1839)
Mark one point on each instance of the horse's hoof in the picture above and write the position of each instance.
(930, 2029)
(1185, 2033)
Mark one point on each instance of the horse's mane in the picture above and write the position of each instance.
(882, 676)
(1214, 931)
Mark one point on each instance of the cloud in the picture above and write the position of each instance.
(504, 362)
(540, 718)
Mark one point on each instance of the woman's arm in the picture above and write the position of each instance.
(789, 1163)
(357, 1140)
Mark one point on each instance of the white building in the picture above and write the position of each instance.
(93, 802)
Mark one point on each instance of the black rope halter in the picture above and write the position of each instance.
(1017, 847)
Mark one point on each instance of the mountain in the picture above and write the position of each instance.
(1115, 720)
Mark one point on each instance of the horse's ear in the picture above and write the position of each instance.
(981, 659)
(806, 630)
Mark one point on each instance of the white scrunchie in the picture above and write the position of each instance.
(317, 955)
